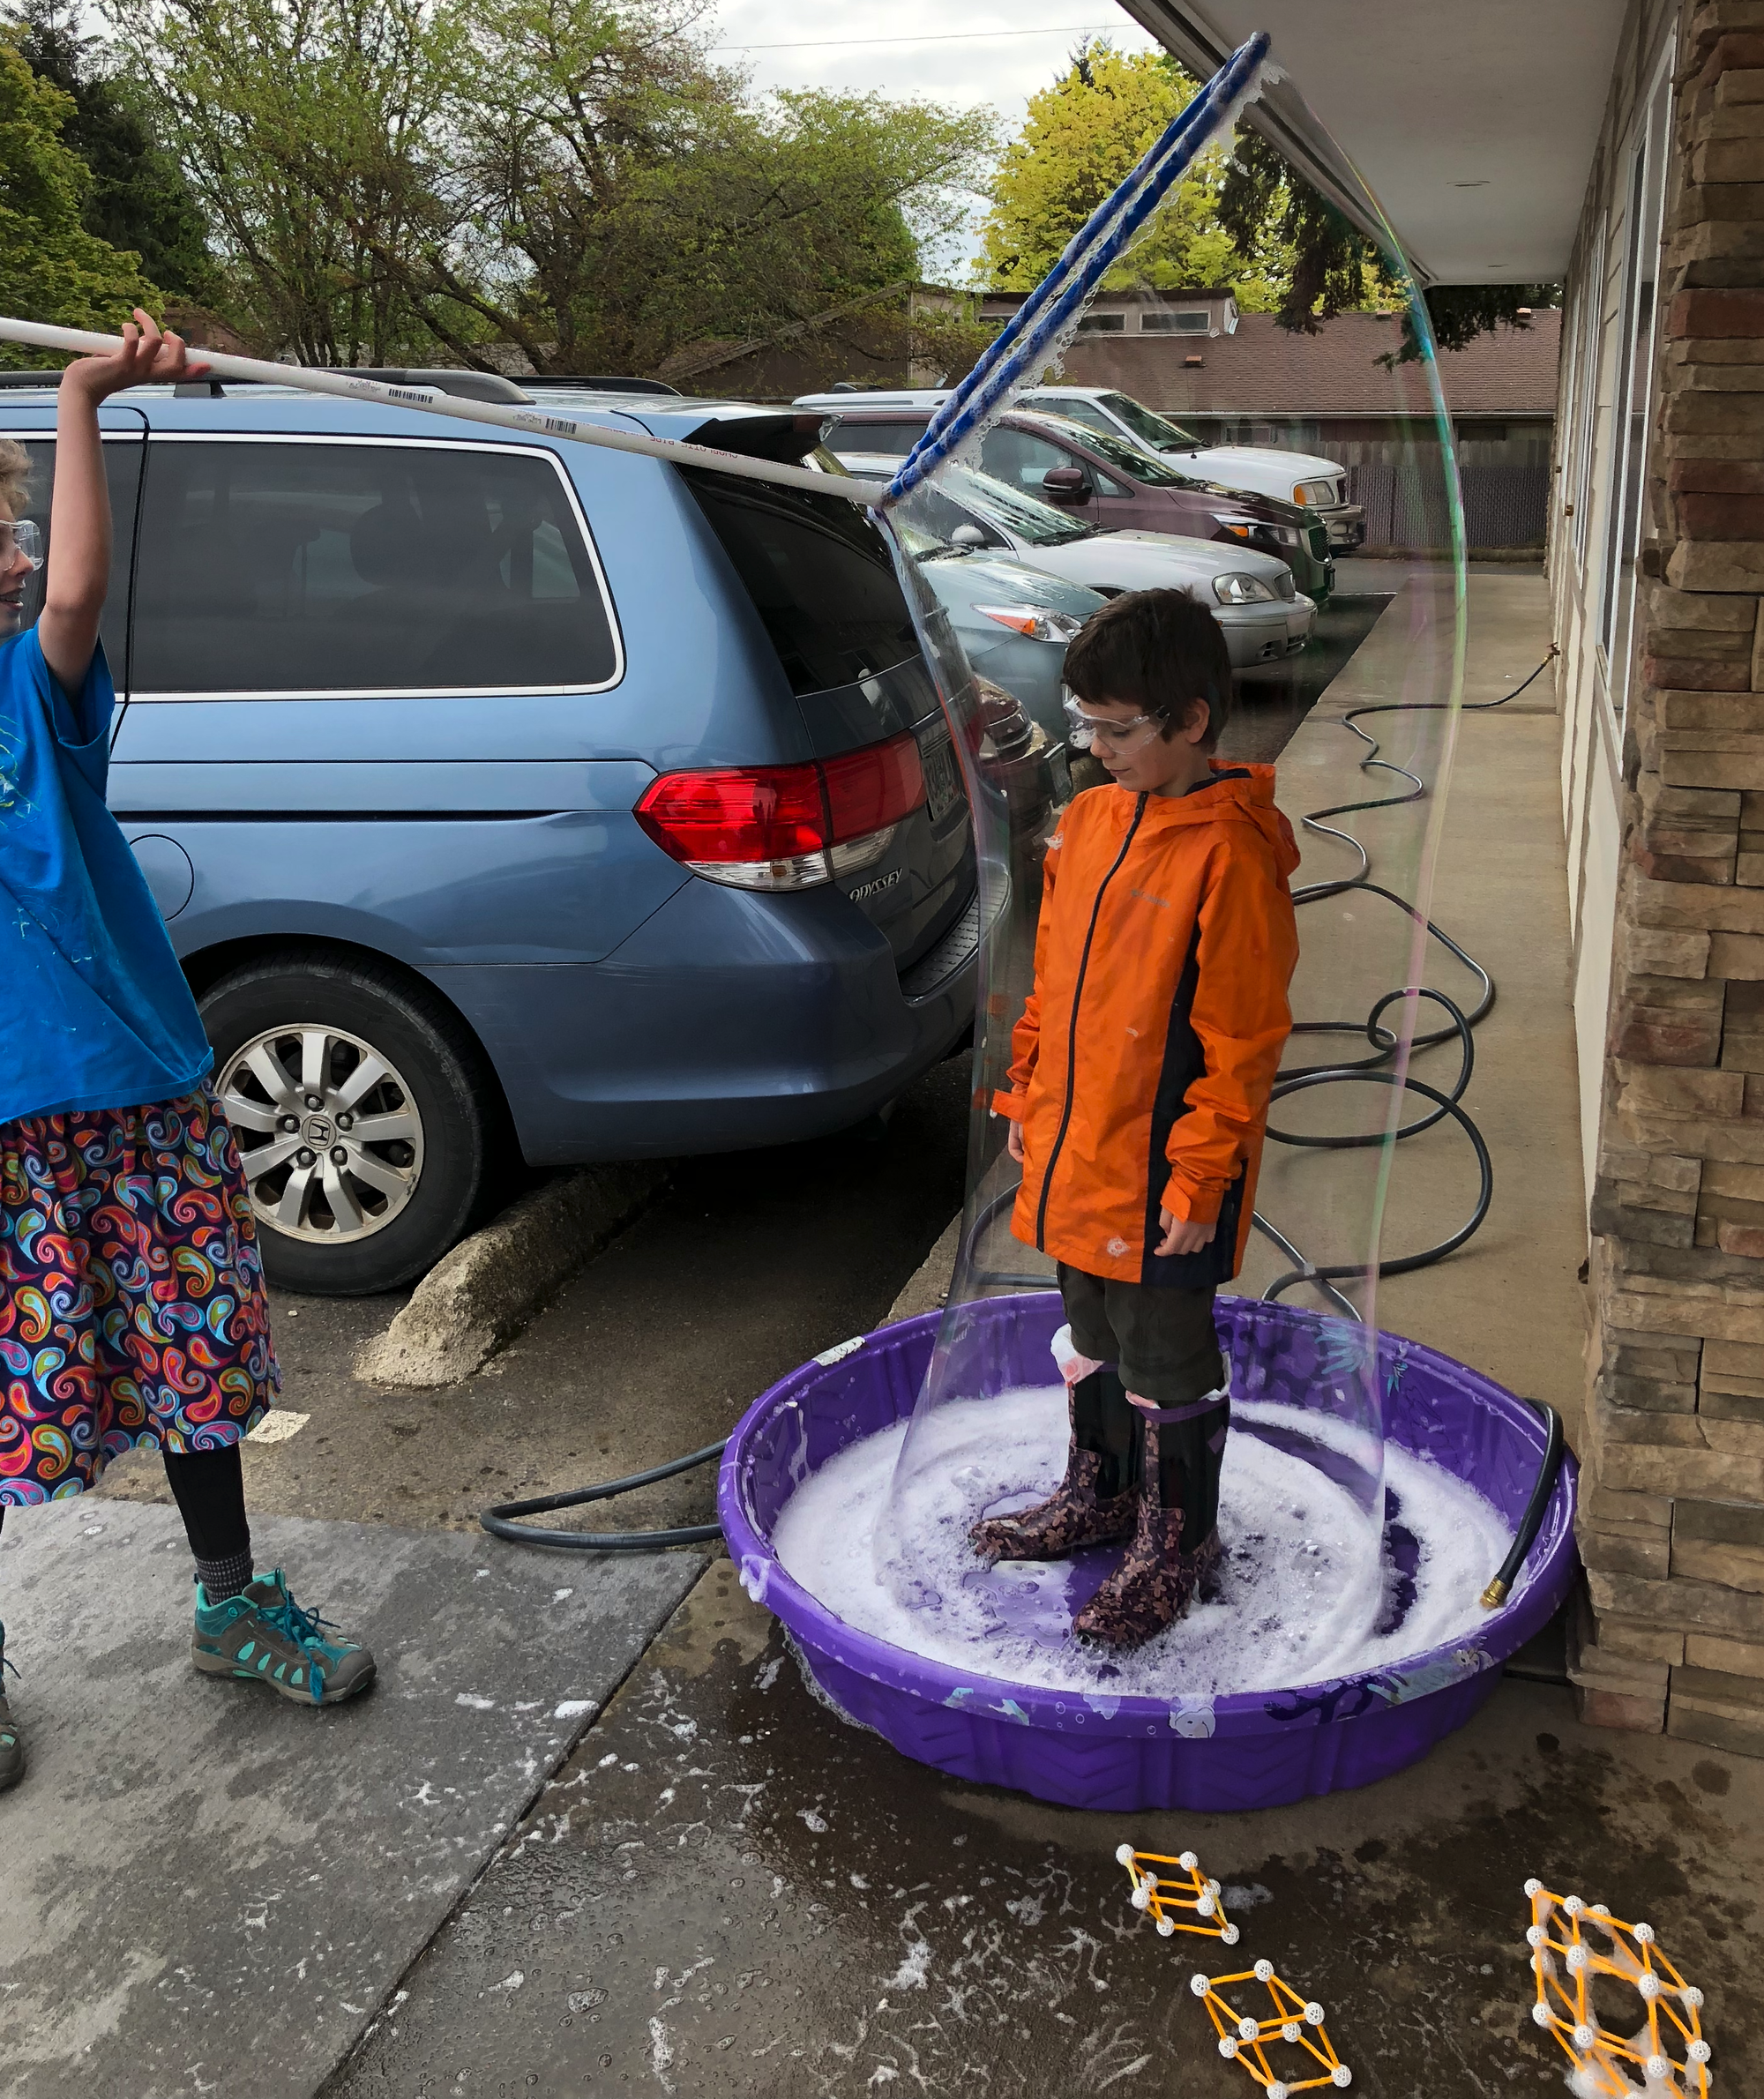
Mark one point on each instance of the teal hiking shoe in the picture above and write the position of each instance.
(11, 1742)
(264, 1634)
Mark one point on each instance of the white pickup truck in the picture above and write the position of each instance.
(1315, 484)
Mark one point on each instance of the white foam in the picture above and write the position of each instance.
(1294, 1543)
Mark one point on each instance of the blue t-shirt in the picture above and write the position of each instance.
(95, 1012)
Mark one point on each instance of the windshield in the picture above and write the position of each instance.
(1149, 428)
(1000, 503)
(922, 543)
(1142, 466)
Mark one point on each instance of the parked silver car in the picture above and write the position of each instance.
(1251, 595)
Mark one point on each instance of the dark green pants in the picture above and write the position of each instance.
(1161, 1346)
(1162, 1342)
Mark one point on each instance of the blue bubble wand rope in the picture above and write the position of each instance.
(1061, 294)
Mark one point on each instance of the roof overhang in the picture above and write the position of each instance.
(1473, 126)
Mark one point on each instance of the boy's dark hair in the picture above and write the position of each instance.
(1159, 650)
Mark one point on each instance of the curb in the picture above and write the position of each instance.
(489, 1285)
(927, 1287)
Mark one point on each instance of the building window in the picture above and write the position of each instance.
(1164, 320)
(1584, 378)
(1103, 324)
(1635, 319)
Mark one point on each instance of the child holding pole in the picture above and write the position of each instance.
(132, 1301)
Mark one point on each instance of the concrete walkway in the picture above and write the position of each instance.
(210, 1890)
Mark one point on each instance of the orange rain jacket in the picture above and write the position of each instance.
(1147, 1050)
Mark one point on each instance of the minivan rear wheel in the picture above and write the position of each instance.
(360, 1110)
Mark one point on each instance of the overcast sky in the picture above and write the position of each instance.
(1008, 50)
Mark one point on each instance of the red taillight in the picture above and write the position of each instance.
(744, 813)
(771, 826)
(867, 789)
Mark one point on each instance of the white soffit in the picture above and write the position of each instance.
(1472, 122)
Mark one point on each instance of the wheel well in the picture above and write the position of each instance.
(203, 969)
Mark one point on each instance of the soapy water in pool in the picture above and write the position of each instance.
(1292, 1538)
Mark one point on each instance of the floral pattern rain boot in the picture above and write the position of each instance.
(1095, 1503)
(1157, 1580)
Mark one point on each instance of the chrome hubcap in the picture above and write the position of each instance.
(327, 1131)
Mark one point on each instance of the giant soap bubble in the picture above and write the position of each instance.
(1304, 1495)
(1353, 1561)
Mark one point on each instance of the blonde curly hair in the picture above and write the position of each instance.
(15, 475)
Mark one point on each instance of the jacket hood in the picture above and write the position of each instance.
(1239, 793)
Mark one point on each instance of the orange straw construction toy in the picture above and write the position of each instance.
(1558, 1935)
(1163, 1894)
(1295, 2021)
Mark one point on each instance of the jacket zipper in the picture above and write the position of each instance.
(1071, 1031)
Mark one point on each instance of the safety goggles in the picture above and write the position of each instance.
(25, 537)
(1120, 738)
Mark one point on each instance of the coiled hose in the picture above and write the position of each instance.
(1366, 1071)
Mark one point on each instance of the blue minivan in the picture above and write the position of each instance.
(514, 799)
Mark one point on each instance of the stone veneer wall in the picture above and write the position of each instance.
(1672, 1515)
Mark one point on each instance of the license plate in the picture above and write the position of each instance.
(943, 778)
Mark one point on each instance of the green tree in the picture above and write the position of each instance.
(1083, 135)
(308, 129)
(1242, 217)
(573, 177)
(139, 197)
(51, 268)
(614, 196)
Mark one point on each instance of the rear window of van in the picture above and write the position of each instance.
(819, 575)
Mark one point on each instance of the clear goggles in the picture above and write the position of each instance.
(25, 537)
(1089, 732)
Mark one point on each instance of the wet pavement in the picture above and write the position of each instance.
(1270, 702)
(750, 1264)
(210, 1889)
(727, 1891)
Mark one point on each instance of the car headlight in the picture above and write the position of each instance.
(1037, 620)
(1254, 528)
(1241, 590)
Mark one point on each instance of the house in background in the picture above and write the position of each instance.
(1617, 147)
(1237, 379)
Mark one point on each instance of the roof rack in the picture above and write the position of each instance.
(599, 383)
(31, 378)
(445, 378)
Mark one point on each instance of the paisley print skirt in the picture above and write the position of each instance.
(132, 1301)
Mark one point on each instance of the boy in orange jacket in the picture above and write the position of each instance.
(1138, 1095)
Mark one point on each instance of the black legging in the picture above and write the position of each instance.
(209, 1487)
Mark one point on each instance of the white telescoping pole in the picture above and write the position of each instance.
(504, 415)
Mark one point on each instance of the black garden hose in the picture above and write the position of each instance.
(1542, 1487)
(1383, 1043)
(496, 1520)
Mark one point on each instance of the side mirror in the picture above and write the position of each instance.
(967, 535)
(1066, 484)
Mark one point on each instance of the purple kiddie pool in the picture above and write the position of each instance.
(1251, 1750)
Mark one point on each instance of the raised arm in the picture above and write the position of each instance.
(80, 513)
